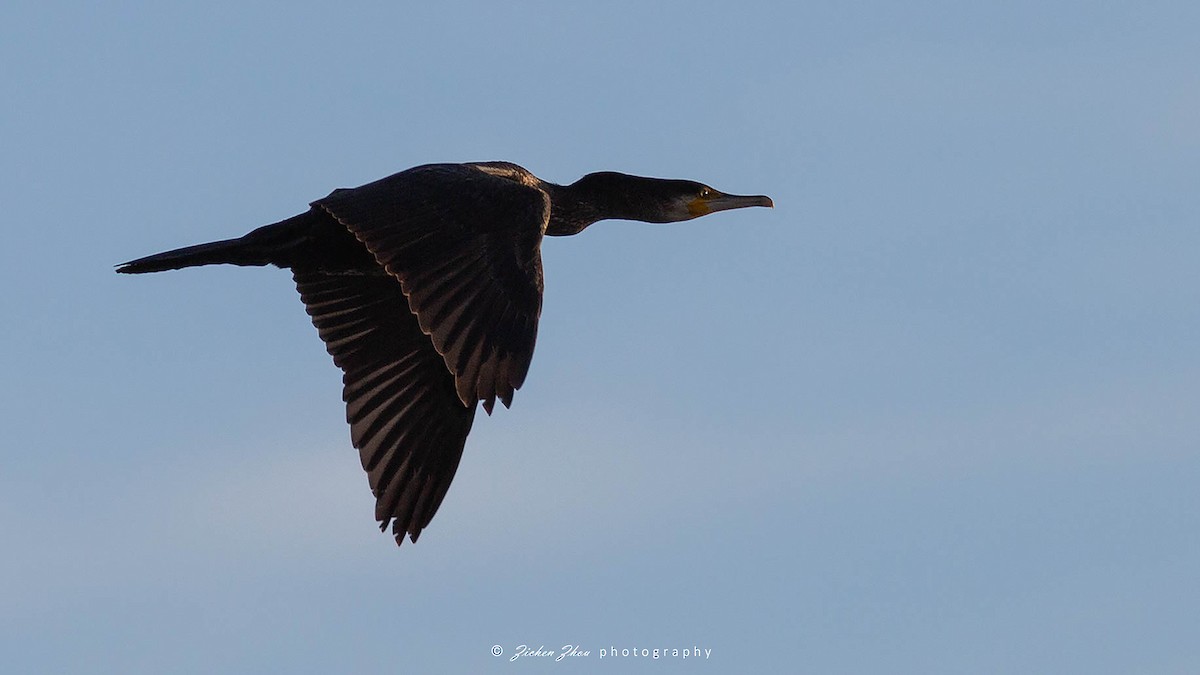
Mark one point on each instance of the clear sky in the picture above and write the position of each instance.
(934, 413)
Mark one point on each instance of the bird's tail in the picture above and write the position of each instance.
(270, 244)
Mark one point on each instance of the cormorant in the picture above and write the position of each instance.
(426, 287)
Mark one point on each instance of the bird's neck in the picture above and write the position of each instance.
(573, 207)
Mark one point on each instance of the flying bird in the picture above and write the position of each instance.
(426, 287)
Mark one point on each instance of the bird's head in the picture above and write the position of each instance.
(691, 200)
(658, 200)
(610, 195)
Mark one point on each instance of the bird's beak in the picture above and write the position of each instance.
(719, 201)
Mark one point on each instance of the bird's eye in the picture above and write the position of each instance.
(705, 192)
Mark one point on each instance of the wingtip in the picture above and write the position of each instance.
(399, 532)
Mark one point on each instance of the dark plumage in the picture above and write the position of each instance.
(426, 287)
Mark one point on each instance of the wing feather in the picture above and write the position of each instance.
(406, 418)
(465, 245)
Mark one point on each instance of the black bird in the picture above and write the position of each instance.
(426, 287)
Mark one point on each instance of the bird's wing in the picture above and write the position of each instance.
(466, 247)
(405, 417)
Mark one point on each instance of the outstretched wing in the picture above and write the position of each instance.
(466, 247)
(405, 416)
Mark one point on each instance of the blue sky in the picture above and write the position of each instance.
(935, 412)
